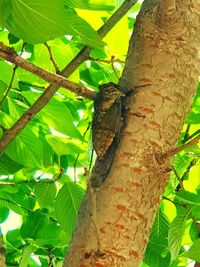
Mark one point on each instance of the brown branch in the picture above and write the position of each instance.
(177, 150)
(10, 134)
(10, 55)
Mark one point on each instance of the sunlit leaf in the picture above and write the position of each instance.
(67, 205)
(176, 230)
(63, 146)
(45, 193)
(27, 251)
(91, 4)
(37, 22)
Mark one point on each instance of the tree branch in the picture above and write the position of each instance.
(10, 55)
(10, 134)
(177, 150)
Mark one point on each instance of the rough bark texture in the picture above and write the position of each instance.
(163, 53)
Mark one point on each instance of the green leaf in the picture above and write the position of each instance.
(189, 198)
(8, 166)
(7, 202)
(4, 212)
(176, 231)
(14, 238)
(4, 11)
(91, 4)
(56, 115)
(63, 146)
(26, 254)
(26, 149)
(33, 223)
(6, 72)
(67, 205)
(38, 21)
(193, 252)
(193, 118)
(157, 252)
(159, 233)
(52, 235)
(45, 193)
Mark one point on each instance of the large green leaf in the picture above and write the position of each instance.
(4, 11)
(39, 21)
(91, 4)
(157, 252)
(26, 149)
(176, 231)
(67, 205)
(8, 166)
(45, 193)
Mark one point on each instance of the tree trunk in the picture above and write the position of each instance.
(162, 66)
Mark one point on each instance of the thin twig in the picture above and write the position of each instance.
(9, 87)
(52, 59)
(180, 179)
(10, 134)
(114, 70)
(186, 135)
(107, 61)
(190, 137)
(35, 181)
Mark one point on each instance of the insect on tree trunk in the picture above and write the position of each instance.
(163, 53)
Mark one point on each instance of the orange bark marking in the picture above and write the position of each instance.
(155, 144)
(98, 265)
(121, 207)
(102, 231)
(119, 190)
(134, 254)
(154, 123)
(148, 110)
(156, 93)
(120, 226)
(145, 81)
(138, 170)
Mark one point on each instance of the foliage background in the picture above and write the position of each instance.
(43, 171)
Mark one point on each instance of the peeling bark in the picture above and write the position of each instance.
(163, 53)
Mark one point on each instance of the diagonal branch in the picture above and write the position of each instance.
(10, 55)
(9, 135)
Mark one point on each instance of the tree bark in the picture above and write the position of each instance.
(162, 56)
